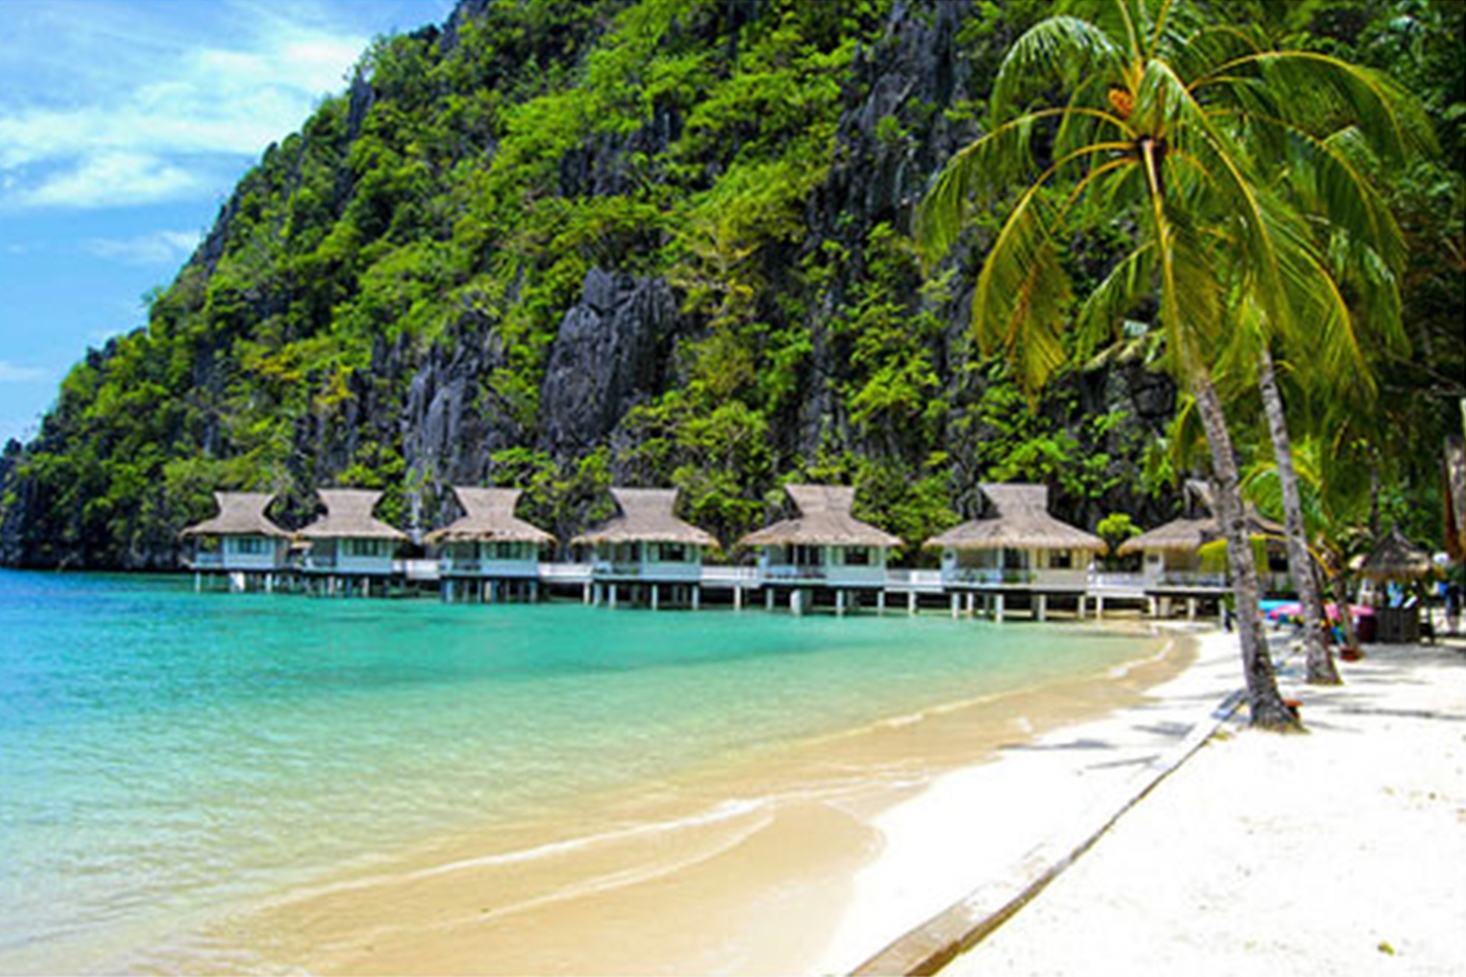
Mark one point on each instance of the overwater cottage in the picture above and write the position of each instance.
(489, 551)
(349, 546)
(1172, 566)
(644, 547)
(823, 547)
(1016, 547)
(241, 542)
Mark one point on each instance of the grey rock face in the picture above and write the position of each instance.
(611, 353)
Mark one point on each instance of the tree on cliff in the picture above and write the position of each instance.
(1173, 132)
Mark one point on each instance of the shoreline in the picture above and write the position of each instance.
(746, 870)
(948, 878)
(752, 870)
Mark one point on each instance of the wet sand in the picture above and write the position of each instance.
(745, 868)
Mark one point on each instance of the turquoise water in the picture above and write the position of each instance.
(166, 754)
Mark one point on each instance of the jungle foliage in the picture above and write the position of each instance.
(460, 191)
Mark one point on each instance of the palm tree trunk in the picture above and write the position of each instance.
(1346, 617)
(1265, 704)
(1320, 659)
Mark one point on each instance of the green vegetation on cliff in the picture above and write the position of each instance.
(660, 242)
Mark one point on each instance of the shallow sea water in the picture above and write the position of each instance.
(167, 757)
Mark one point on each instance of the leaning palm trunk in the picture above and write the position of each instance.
(1320, 660)
(1346, 614)
(1264, 702)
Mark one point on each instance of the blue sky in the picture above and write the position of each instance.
(124, 125)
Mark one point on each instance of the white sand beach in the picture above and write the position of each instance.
(1339, 851)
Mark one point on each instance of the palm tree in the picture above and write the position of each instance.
(1335, 498)
(1172, 129)
(1319, 659)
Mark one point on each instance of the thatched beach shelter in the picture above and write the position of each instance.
(646, 543)
(349, 539)
(489, 543)
(1018, 542)
(1396, 558)
(241, 538)
(824, 545)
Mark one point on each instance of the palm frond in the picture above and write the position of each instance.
(1023, 294)
(981, 170)
(1130, 282)
(1060, 51)
(1319, 321)
(971, 179)
(1315, 90)
(1334, 187)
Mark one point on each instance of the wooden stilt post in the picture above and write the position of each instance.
(655, 595)
(998, 609)
(1041, 607)
(696, 596)
(911, 602)
(956, 606)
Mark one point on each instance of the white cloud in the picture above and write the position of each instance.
(161, 248)
(112, 179)
(11, 373)
(162, 128)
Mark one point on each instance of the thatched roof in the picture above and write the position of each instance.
(1022, 522)
(1191, 534)
(489, 517)
(1184, 535)
(824, 520)
(646, 517)
(240, 514)
(1396, 558)
(349, 516)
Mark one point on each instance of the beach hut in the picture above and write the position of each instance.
(489, 550)
(1171, 553)
(1172, 564)
(241, 541)
(645, 546)
(1016, 546)
(1395, 560)
(349, 544)
(822, 547)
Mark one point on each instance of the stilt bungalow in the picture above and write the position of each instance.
(823, 547)
(240, 542)
(1172, 566)
(349, 546)
(1017, 546)
(490, 552)
(644, 548)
